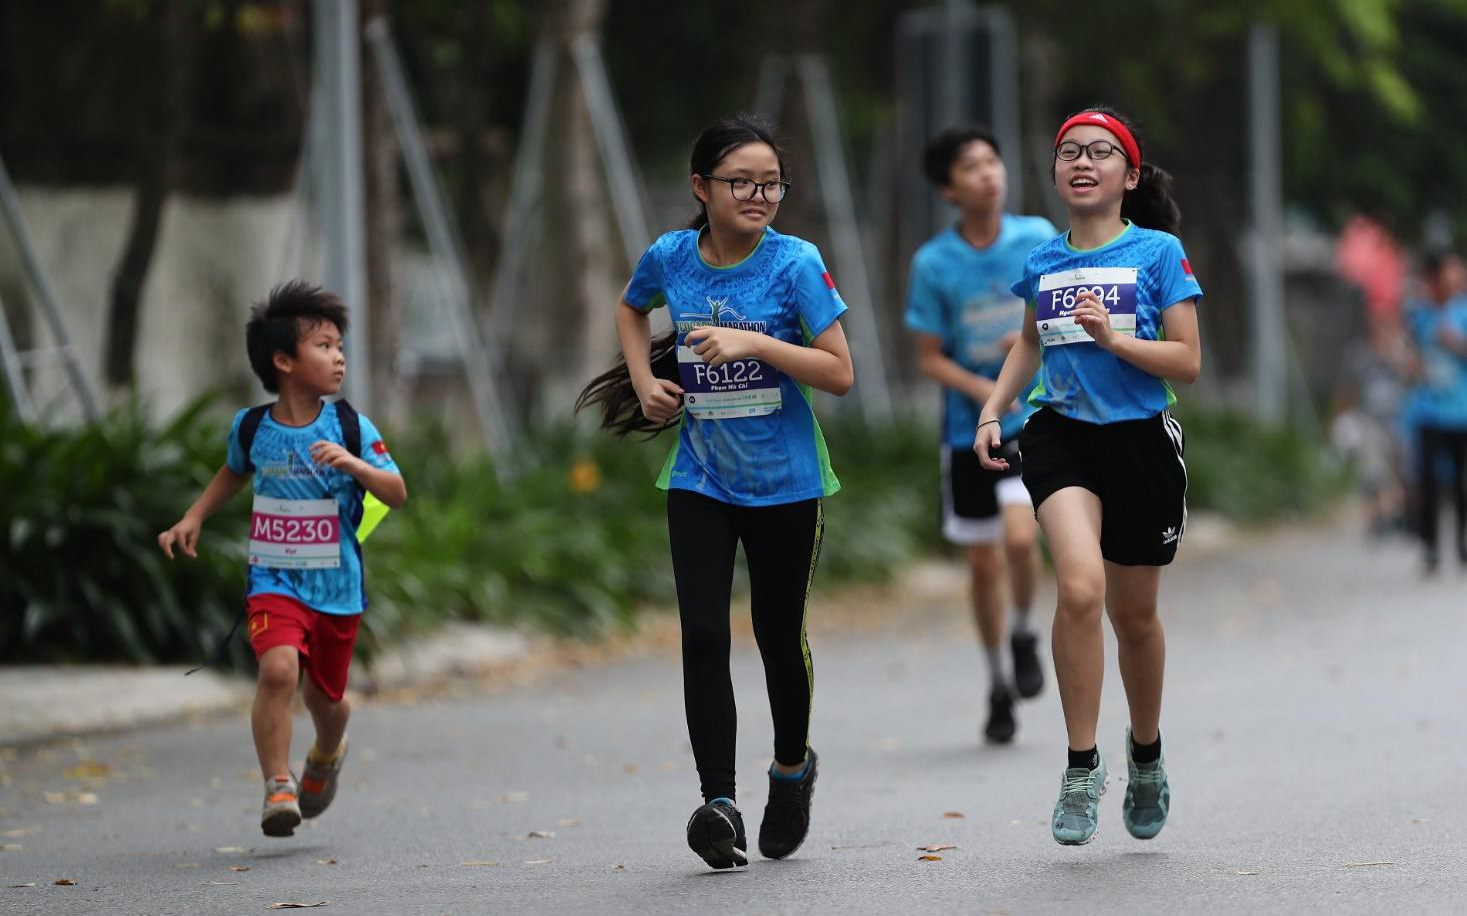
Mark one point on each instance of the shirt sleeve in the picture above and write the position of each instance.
(644, 292)
(235, 456)
(1174, 273)
(924, 302)
(1024, 286)
(816, 299)
(374, 448)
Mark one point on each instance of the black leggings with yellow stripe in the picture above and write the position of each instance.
(781, 547)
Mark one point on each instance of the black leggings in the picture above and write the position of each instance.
(781, 546)
(1435, 443)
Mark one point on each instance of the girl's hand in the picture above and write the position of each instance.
(721, 345)
(185, 534)
(986, 443)
(1094, 317)
(329, 454)
(661, 400)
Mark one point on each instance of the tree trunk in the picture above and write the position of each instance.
(154, 163)
(379, 154)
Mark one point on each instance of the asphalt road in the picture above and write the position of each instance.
(1315, 734)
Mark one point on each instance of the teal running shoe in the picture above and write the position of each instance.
(1148, 796)
(1077, 813)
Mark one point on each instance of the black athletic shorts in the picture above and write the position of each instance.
(1134, 466)
(973, 497)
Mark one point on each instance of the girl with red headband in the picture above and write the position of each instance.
(1111, 322)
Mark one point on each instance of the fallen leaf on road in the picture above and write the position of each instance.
(537, 862)
(31, 884)
(937, 847)
(953, 814)
(239, 868)
(330, 861)
(1414, 820)
(542, 834)
(70, 798)
(618, 866)
(486, 862)
(89, 770)
(222, 883)
(1245, 872)
(64, 882)
(226, 850)
(11, 847)
(19, 832)
(929, 858)
(294, 906)
(570, 822)
(1366, 864)
(861, 846)
(515, 797)
(631, 769)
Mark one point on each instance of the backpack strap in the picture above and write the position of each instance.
(351, 427)
(247, 429)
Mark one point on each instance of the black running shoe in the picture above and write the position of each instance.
(716, 832)
(787, 815)
(1000, 728)
(1028, 676)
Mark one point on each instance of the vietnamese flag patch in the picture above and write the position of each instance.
(379, 447)
(1186, 268)
(830, 284)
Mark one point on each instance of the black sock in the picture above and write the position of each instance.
(1085, 760)
(1146, 753)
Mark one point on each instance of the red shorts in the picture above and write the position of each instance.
(325, 641)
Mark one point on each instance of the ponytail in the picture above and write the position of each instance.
(1150, 205)
(621, 410)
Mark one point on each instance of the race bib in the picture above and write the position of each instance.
(295, 533)
(740, 388)
(1059, 293)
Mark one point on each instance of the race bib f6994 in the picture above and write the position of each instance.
(1059, 294)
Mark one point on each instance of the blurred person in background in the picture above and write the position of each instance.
(1436, 321)
(965, 317)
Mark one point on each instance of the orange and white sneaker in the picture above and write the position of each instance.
(318, 782)
(282, 811)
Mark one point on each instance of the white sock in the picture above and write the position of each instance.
(1023, 621)
(995, 665)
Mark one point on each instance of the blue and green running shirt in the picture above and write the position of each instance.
(284, 470)
(1140, 274)
(748, 435)
(961, 295)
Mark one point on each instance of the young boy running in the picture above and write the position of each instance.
(965, 319)
(305, 595)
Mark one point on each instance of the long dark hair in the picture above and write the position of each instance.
(621, 412)
(1150, 204)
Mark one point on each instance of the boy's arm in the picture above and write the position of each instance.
(224, 487)
(946, 371)
(381, 483)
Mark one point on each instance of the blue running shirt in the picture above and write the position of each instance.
(962, 295)
(748, 435)
(285, 470)
(1440, 399)
(1141, 273)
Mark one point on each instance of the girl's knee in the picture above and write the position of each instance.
(1135, 624)
(1081, 599)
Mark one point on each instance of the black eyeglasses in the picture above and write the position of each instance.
(773, 191)
(1097, 150)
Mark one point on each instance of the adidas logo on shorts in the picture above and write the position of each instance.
(1169, 535)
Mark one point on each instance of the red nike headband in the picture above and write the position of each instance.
(1114, 125)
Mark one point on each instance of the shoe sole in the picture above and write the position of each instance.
(713, 839)
(280, 823)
